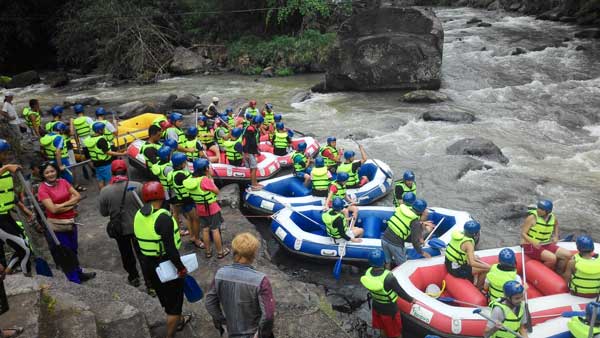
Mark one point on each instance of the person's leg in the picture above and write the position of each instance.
(358, 232)
(128, 257)
(548, 258)
(353, 209)
(387, 253)
(66, 174)
(563, 256)
(66, 239)
(12, 235)
(215, 149)
(147, 279)
(194, 227)
(172, 322)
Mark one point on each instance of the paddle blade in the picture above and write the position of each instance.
(446, 299)
(568, 238)
(42, 268)
(337, 269)
(477, 311)
(569, 314)
(191, 289)
(437, 243)
(64, 258)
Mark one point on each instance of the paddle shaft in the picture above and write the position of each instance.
(116, 125)
(298, 132)
(434, 229)
(527, 313)
(593, 321)
(453, 300)
(299, 213)
(518, 335)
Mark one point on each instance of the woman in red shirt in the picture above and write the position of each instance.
(60, 199)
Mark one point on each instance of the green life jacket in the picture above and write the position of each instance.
(329, 162)
(158, 121)
(579, 328)
(375, 285)
(231, 121)
(230, 152)
(96, 154)
(145, 146)
(108, 135)
(194, 145)
(269, 117)
(220, 139)
(200, 196)
(542, 230)
(352, 175)
(405, 188)
(400, 221)
(180, 191)
(204, 135)
(586, 279)
(47, 143)
(454, 252)
(280, 139)
(320, 178)
(159, 171)
(28, 114)
(328, 218)
(50, 125)
(180, 134)
(150, 242)
(511, 320)
(497, 278)
(299, 167)
(341, 190)
(7, 195)
(82, 127)
(252, 111)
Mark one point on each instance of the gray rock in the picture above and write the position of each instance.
(519, 51)
(135, 108)
(317, 67)
(268, 72)
(24, 79)
(387, 48)
(170, 100)
(301, 97)
(479, 147)
(359, 135)
(24, 308)
(484, 24)
(424, 96)
(473, 21)
(89, 101)
(455, 116)
(590, 33)
(580, 48)
(470, 164)
(229, 195)
(186, 61)
(187, 101)
(57, 79)
(64, 316)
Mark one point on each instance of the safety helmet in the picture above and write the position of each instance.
(59, 126)
(408, 175)
(252, 103)
(279, 125)
(175, 116)
(589, 311)
(277, 117)
(302, 146)
(164, 152)
(376, 258)
(229, 110)
(512, 288)
(342, 177)
(100, 111)
(269, 106)
(331, 139)
(236, 132)
(348, 154)
(202, 118)
(4, 146)
(78, 108)
(258, 119)
(200, 164)
(337, 204)
(56, 110)
(152, 191)
(98, 127)
(471, 228)
(409, 198)
(319, 162)
(118, 165)
(585, 243)
(248, 116)
(178, 159)
(192, 131)
(419, 206)
(545, 205)
(171, 143)
(506, 257)
(215, 99)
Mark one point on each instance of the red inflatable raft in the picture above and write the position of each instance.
(312, 147)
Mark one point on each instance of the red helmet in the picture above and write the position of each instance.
(252, 103)
(152, 191)
(118, 165)
(164, 125)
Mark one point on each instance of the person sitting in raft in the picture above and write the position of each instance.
(320, 177)
(539, 235)
(351, 167)
(192, 143)
(207, 137)
(302, 164)
(583, 270)
(580, 326)
(175, 131)
(505, 270)
(281, 140)
(508, 312)
(336, 224)
(251, 110)
(233, 147)
(230, 119)
(338, 189)
(461, 261)
(331, 154)
(403, 186)
(221, 131)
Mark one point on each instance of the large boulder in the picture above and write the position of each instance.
(135, 108)
(57, 79)
(454, 116)
(479, 147)
(424, 96)
(24, 79)
(389, 47)
(186, 61)
(187, 101)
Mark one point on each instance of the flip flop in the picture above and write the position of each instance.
(80, 188)
(201, 246)
(185, 319)
(208, 253)
(225, 252)
(183, 232)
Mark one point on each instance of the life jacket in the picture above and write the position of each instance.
(329, 162)
(352, 175)
(200, 196)
(542, 230)
(252, 111)
(231, 121)
(328, 218)
(579, 327)
(341, 190)
(159, 171)
(158, 121)
(497, 278)
(586, 279)
(280, 140)
(108, 135)
(299, 167)
(47, 143)
(194, 145)
(400, 221)
(230, 152)
(220, 140)
(145, 146)
(454, 252)
(82, 127)
(28, 114)
(511, 320)
(405, 188)
(50, 125)
(204, 135)
(269, 117)
(180, 191)
(180, 134)
(320, 178)
(7, 194)
(150, 242)
(376, 286)
(96, 154)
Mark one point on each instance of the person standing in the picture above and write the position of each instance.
(99, 151)
(150, 147)
(8, 112)
(158, 237)
(33, 117)
(55, 149)
(251, 152)
(109, 131)
(254, 317)
(508, 312)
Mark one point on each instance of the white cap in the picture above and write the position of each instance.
(215, 99)
(7, 94)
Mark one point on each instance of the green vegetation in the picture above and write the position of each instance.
(285, 71)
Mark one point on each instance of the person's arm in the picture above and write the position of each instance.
(398, 192)
(391, 283)
(498, 317)
(556, 232)
(34, 125)
(24, 209)
(213, 306)
(75, 196)
(267, 309)
(104, 204)
(103, 145)
(416, 238)
(9, 167)
(473, 261)
(55, 208)
(363, 154)
(569, 270)
(209, 184)
(329, 199)
(164, 227)
(59, 144)
(529, 222)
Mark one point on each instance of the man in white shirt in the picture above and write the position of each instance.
(9, 112)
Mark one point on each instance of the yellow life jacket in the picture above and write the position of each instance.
(150, 242)
(497, 278)
(542, 230)
(200, 196)
(375, 285)
(400, 221)
(328, 218)
(579, 328)
(586, 279)
(511, 320)
(320, 178)
(454, 252)
(7, 194)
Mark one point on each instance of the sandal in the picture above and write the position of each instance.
(183, 232)
(199, 246)
(208, 253)
(80, 188)
(224, 253)
(16, 332)
(185, 319)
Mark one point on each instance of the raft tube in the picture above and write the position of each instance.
(312, 147)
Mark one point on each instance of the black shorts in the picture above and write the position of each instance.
(235, 163)
(280, 151)
(170, 294)
(463, 271)
(213, 222)
(320, 193)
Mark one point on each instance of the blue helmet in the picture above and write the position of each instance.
(331, 139)
(228, 110)
(223, 116)
(277, 117)
(192, 131)
(545, 205)
(269, 106)
(237, 132)
(471, 228)
(258, 119)
(279, 125)
(175, 116)
(178, 159)
(408, 175)
(78, 108)
(409, 198)
(4, 146)
(319, 162)
(248, 116)
(302, 146)
(507, 257)
(419, 206)
(512, 288)
(585, 243)
(56, 110)
(200, 164)
(202, 118)
(376, 258)
(348, 154)
(589, 311)
(164, 152)
(342, 177)
(100, 111)
(60, 127)
(98, 127)
(337, 204)
(171, 143)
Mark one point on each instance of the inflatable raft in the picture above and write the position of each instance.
(312, 147)
(289, 190)
(268, 165)
(301, 231)
(547, 292)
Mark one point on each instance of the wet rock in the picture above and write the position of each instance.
(483, 49)
(170, 100)
(57, 79)
(186, 61)
(473, 21)
(317, 67)
(187, 101)
(484, 24)
(479, 147)
(515, 6)
(268, 72)
(321, 87)
(88, 101)
(424, 96)
(229, 195)
(456, 116)
(580, 48)
(590, 33)
(24, 79)
(567, 19)
(67, 317)
(359, 135)
(551, 15)
(135, 108)
(301, 97)
(470, 164)
(519, 51)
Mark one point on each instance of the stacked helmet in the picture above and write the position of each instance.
(175, 116)
(78, 108)
(277, 117)
(408, 175)
(409, 198)
(589, 312)
(512, 288)
(585, 243)
(302, 146)
(118, 165)
(319, 162)
(178, 159)
(376, 258)
(331, 139)
(152, 191)
(269, 106)
(337, 204)
(252, 103)
(56, 110)
(419, 206)
(164, 152)
(279, 125)
(202, 118)
(472, 228)
(545, 205)
(4, 146)
(506, 257)
(342, 177)
(171, 143)
(237, 132)
(258, 119)
(192, 131)
(348, 154)
(59, 127)
(100, 111)
(98, 127)
(200, 164)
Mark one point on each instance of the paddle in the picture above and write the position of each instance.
(298, 132)
(478, 311)
(287, 206)
(566, 314)
(374, 161)
(114, 122)
(193, 292)
(593, 319)
(527, 313)
(436, 243)
(64, 257)
(434, 229)
(454, 300)
(337, 268)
